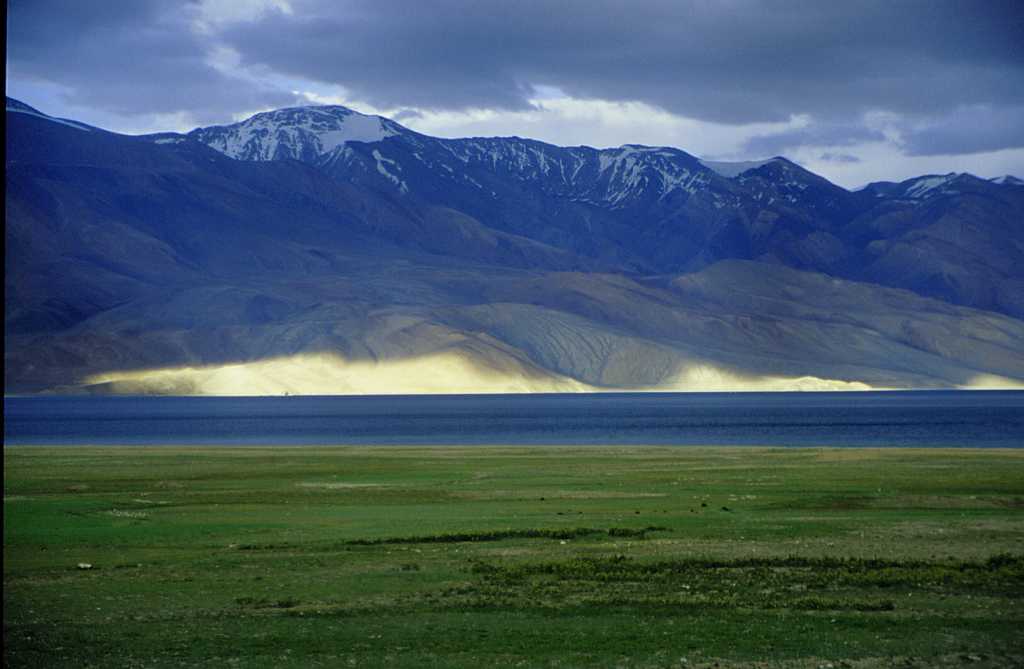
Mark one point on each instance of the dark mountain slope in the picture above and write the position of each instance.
(957, 238)
(95, 218)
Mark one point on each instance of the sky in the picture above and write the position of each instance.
(857, 91)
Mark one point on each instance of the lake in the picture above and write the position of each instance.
(973, 419)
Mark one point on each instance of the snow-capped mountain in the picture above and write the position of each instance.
(921, 187)
(643, 208)
(487, 175)
(481, 173)
(302, 133)
(614, 178)
(325, 136)
(634, 208)
(320, 230)
(930, 186)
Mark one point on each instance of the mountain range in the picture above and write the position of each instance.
(317, 249)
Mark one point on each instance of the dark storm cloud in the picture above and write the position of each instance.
(733, 61)
(950, 72)
(131, 57)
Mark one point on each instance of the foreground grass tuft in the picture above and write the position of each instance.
(464, 537)
(758, 583)
(501, 535)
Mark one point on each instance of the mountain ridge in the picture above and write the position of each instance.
(393, 127)
(133, 260)
(772, 211)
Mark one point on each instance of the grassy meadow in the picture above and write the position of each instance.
(525, 557)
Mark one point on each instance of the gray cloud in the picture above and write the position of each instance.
(815, 134)
(968, 130)
(405, 114)
(843, 158)
(731, 62)
(132, 57)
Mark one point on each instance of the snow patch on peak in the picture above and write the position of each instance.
(382, 163)
(304, 133)
(357, 128)
(1007, 180)
(635, 169)
(627, 152)
(922, 186)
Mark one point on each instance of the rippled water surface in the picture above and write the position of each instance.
(940, 418)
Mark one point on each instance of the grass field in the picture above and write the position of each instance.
(490, 557)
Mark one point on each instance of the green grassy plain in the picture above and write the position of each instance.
(471, 557)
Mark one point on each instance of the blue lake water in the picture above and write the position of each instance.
(922, 419)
